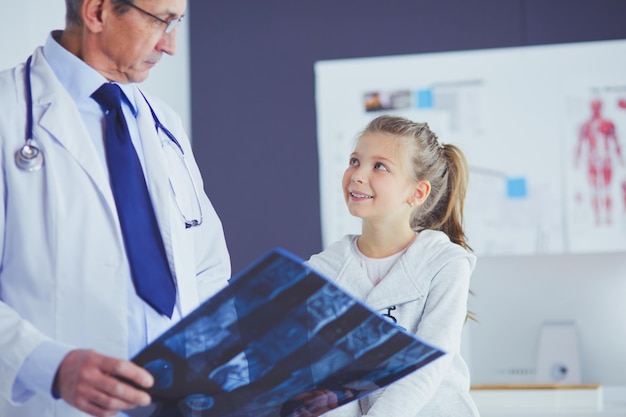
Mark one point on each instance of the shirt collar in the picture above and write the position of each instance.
(79, 79)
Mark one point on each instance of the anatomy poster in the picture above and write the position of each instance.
(537, 185)
(595, 166)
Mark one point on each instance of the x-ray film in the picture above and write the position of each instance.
(280, 341)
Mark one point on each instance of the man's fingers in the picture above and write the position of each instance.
(114, 384)
(94, 383)
(93, 402)
(118, 394)
(130, 372)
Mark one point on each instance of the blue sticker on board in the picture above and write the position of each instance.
(424, 99)
(516, 188)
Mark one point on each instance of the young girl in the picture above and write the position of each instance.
(411, 262)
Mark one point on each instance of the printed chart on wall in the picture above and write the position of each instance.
(543, 129)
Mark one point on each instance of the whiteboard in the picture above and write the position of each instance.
(547, 174)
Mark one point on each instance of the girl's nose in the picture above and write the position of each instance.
(358, 178)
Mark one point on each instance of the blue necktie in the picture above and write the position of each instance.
(142, 238)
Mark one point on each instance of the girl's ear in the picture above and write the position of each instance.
(421, 192)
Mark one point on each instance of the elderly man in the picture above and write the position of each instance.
(107, 235)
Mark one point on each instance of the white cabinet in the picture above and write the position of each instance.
(580, 401)
(503, 412)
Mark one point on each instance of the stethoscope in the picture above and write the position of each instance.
(30, 158)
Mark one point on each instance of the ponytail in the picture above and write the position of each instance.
(452, 202)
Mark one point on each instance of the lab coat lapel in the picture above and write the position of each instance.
(176, 239)
(61, 119)
(157, 177)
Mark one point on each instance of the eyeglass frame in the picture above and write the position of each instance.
(173, 143)
(170, 25)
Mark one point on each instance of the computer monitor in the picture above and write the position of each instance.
(514, 295)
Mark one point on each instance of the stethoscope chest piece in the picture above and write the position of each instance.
(29, 157)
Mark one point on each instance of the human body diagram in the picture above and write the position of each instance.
(598, 150)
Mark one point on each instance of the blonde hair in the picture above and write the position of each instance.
(443, 165)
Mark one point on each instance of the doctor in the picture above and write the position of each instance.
(70, 310)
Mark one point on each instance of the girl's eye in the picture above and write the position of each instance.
(353, 161)
(380, 166)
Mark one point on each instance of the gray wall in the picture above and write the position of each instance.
(252, 86)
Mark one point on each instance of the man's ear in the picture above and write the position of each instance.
(92, 14)
(422, 191)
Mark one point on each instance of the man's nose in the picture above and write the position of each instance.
(167, 43)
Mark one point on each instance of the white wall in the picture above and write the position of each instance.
(26, 24)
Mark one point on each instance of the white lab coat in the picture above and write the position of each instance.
(63, 267)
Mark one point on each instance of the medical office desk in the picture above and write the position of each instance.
(550, 401)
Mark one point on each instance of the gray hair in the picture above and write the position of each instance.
(73, 17)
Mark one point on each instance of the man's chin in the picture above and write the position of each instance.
(139, 76)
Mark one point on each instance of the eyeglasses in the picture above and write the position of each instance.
(176, 160)
(170, 25)
(192, 205)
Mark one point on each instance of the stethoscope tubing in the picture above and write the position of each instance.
(29, 102)
(30, 158)
(158, 125)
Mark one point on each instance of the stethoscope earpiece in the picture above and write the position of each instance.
(29, 157)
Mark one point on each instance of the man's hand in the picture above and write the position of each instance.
(89, 381)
